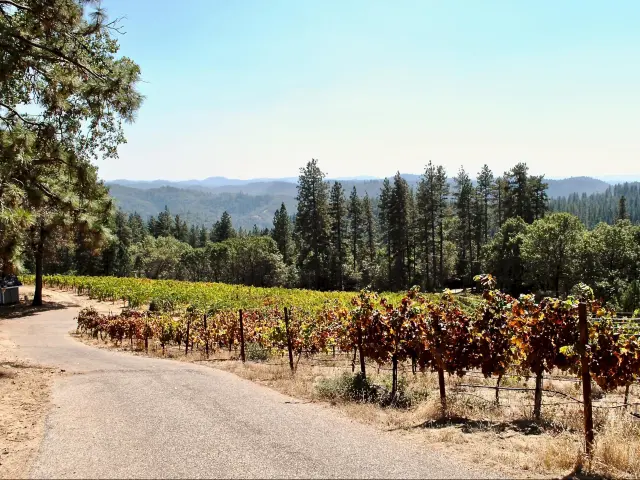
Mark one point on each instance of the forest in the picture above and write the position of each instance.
(434, 235)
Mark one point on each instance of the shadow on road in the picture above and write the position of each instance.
(19, 310)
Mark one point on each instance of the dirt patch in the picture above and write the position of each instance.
(24, 402)
(25, 391)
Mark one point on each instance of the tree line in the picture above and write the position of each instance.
(618, 201)
(435, 235)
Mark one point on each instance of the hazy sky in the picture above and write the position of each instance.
(249, 89)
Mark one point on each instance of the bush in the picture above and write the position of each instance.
(402, 398)
(347, 387)
(256, 352)
(159, 305)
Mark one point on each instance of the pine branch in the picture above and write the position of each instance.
(16, 5)
(57, 53)
(15, 113)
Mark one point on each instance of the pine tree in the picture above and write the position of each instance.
(223, 229)
(356, 228)
(370, 227)
(164, 225)
(517, 201)
(65, 94)
(122, 261)
(498, 193)
(538, 198)
(442, 196)
(464, 210)
(312, 227)
(338, 222)
(384, 221)
(180, 229)
(152, 226)
(399, 232)
(203, 236)
(193, 236)
(622, 208)
(282, 233)
(484, 192)
(426, 219)
(137, 227)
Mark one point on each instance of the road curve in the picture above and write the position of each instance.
(116, 415)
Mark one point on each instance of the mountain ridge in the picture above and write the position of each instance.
(255, 202)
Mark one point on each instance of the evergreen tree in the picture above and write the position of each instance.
(203, 237)
(193, 236)
(442, 196)
(338, 222)
(312, 227)
(223, 229)
(180, 230)
(152, 226)
(65, 94)
(538, 198)
(464, 236)
(622, 208)
(370, 227)
(122, 262)
(384, 221)
(356, 228)
(137, 227)
(164, 226)
(484, 194)
(281, 233)
(399, 216)
(426, 219)
(498, 194)
(517, 201)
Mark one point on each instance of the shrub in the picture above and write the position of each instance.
(347, 387)
(256, 352)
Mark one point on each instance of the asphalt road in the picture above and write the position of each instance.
(116, 415)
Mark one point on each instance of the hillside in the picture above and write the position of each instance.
(202, 207)
(255, 201)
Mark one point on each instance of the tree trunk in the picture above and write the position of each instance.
(443, 393)
(626, 396)
(353, 360)
(394, 375)
(537, 404)
(39, 257)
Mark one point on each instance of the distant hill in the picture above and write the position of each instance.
(252, 202)
(567, 186)
(202, 207)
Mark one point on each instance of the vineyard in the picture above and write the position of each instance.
(495, 337)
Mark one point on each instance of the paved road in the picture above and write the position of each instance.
(119, 415)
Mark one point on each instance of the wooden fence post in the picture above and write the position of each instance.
(242, 357)
(186, 343)
(586, 379)
(289, 346)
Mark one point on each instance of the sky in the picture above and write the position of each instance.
(256, 88)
